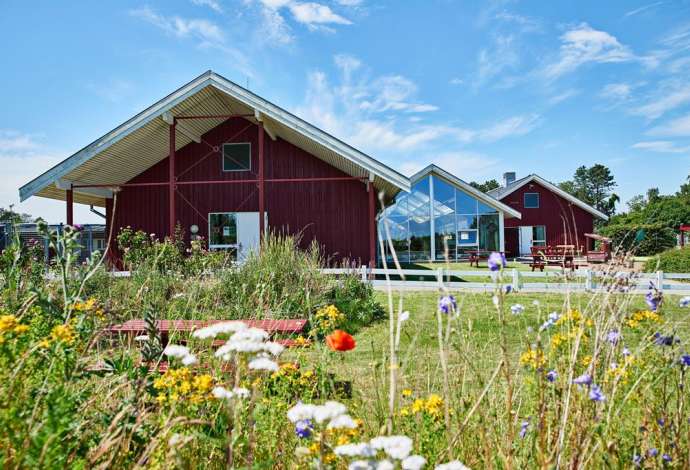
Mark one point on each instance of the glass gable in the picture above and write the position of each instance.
(459, 222)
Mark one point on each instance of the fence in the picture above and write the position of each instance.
(584, 280)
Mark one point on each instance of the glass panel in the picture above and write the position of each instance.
(467, 221)
(222, 229)
(539, 235)
(488, 232)
(445, 236)
(420, 240)
(464, 203)
(531, 201)
(399, 207)
(467, 237)
(444, 198)
(484, 209)
(237, 157)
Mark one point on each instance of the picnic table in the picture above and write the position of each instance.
(559, 255)
(477, 255)
(170, 327)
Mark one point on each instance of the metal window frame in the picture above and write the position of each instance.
(223, 246)
(222, 157)
(524, 201)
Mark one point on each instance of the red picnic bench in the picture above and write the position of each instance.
(478, 255)
(559, 255)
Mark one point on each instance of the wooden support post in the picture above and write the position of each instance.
(70, 207)
(262, 221)
(171, 182)
(372, 224)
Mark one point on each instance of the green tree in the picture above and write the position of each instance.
(486, 186)
(10, 216)
(593, 185)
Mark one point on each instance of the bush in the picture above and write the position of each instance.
(356, 301)
(670, 261)
(641, 239)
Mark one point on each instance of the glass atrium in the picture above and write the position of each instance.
(460, 222)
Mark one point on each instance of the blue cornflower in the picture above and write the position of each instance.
(447, 304)
(685, 301)
(662, 340)
(517, 309)
(508, 288)
(613, 337)
(653, 300)
(523, 429)
(595, 394)
(303, 428)
(551, 375)
(626, 352)
(661, 422)
(666, 458)
(653, 452)
(497, 261)
(637, 460)
(550, 321)
(584, 379)
(685, 360)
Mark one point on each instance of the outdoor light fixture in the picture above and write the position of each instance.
(194, 229)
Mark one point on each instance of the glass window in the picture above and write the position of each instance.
(467, 221)
(444, 198)
(464, 203)
(467, 237)
(531, 201)
(222, 230)
(488, 232)
(539, 235)
(445, 236)
(237, 157)
(484, 209)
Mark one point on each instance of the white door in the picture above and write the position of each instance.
(525, 240)
(247, 234)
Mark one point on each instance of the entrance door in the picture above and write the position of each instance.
(234, 231)
(525, 240)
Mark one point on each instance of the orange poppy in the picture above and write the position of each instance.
(340, 340)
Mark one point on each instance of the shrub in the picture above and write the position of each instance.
(641, 239)
(670, 261)
(356, 301)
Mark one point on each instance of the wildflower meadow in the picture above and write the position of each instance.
(390, 379)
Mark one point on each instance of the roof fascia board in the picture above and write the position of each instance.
(552, 187)
(114, 136)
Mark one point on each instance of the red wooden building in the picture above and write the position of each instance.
(550, 216)
(227, 165)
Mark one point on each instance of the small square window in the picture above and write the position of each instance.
(237, 157)
(531, 201)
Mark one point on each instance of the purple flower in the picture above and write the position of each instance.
(653, 452)
(685, 360)
(584, 379)
(661, 422)
(626, 352)
(496, 261)
(447, 304)
(685, 301)
(653, 300)
(523, 429)
(662, 340)
(303, 428)
(595, 394)
(613, 337)
(666, 458)
(508, 288)
(637, 460)
(517, 309)
(551, 375)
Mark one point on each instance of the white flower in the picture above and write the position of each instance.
(517, 309)
(413, 462)
(216, 329)
(189, 359)
(535, 303)
(385, 465)
(250, 334)
(452, 465)
(174, 350)
(241, 392)
(300, 412)
(550, 321)
(262, 363)
(397, 447)
(361, 449)
(221, 393)
(174, 440)
(342, 421)
(329, 410)
(404, 316)
(494, 299)
(274, 348)
(362, 465)
(685, 301)
(142, 338)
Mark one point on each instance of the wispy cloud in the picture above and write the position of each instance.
(668, 96)
(493, 61)
(466, 165)
(661, 146)
(510, 127)
(679, 127)
(563, 96)
(456, 81)
(113, 90)
(316, 16)
(616, 91)
(17, 143)
(582, 45)
(212, 4)
(641, 9)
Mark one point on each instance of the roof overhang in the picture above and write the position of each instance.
(455, 181)
(555, 189)
(143, 141)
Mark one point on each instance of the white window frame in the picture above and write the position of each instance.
(534, 240)
(524, 201)
(222, 159)
(224, 246)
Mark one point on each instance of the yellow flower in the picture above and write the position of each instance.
(63, 334)
(19, 329)
(533, 358)
(586, 361)
(407, 392)
(8, 322)
(203, 383)
(418, 405)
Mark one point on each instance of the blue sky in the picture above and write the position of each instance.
(478, 88)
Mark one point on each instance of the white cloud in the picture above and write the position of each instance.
(511, 127)
(311, 13)
(12, 142)
(212, 4)
(582, 45)
(662, 146)
(392, 93)
(679, 127)
(668, 96)
(204, 30)
(567, 94)
(350, 3)
(273, 27)
(616, 91)
(494, 60)
(642, 9)
(465, 165)
(456, 81)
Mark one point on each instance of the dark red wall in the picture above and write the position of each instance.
(565, 222)
(333, 213)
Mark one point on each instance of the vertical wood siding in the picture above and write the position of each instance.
(333, 213)
(565, 223)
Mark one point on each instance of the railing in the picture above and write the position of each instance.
(580, 280)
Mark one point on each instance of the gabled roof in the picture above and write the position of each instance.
(500, 193)
(142, 141)
(466, 187)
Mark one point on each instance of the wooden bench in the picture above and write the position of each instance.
(561, 255)
(478, 255)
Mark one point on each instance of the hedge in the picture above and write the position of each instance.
(641, 239)
(670, 261)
